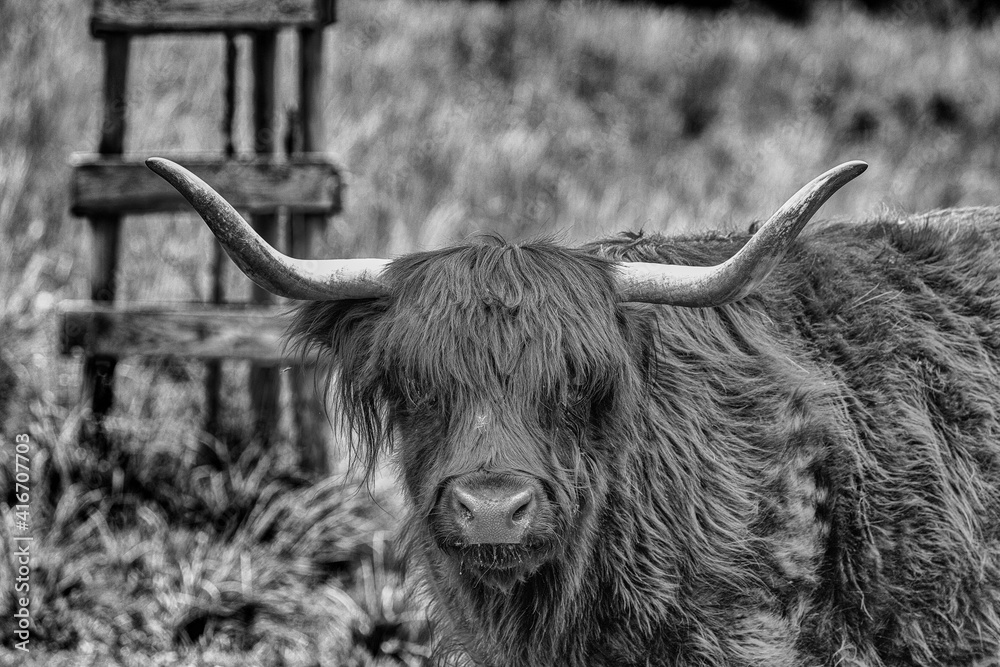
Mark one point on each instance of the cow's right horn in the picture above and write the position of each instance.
(702, 286)
(279, 274)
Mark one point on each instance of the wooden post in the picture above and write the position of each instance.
(310, 88)
(306, 233)
(213, 369)
(106, 229)
(229, 101)
(264, 379)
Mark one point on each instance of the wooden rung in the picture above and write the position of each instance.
(153, 16)
(112, 185)
(180, 330)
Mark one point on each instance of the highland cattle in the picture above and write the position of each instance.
(773, 449)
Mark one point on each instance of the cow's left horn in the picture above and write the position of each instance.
(702, 286)
(277, 273)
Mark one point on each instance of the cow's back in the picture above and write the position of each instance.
(895, 326)
(906, 314)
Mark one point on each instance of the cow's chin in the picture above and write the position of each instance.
(498, 566)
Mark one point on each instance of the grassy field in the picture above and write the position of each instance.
(573, 120)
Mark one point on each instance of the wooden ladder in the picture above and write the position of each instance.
(109, 185)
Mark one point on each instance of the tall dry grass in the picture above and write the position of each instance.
(570, 119)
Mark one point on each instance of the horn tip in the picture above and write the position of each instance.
(857, 167)
(158, 164)
(170, 171)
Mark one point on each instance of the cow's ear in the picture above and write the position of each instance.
(343, 336)
(331, 327)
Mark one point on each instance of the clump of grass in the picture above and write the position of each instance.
(141, 553)
(384, 624)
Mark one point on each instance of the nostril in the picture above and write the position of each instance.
(520, 504)
(521, 511)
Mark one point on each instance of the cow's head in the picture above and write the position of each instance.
(502, 377)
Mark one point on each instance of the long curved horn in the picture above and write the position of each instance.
(703, 286)
(279, 274)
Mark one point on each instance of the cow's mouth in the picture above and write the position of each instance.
(497, 556)
(499, 565)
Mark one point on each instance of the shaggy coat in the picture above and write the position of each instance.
(810, 476)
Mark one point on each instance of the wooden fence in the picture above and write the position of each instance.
(109, 185)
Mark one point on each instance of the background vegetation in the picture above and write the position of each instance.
(571, 119)
(941, 12)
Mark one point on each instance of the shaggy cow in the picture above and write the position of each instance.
(802, 470)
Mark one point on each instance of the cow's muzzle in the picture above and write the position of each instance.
(492, 509)
(497, 529)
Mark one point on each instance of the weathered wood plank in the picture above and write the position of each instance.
(265, 382)
(99, 370)
(105, 227)
(307, 184)
(153, 16)
(305, 234)
(201, 331)
(311, 93)
(213, 367)
(116, 57)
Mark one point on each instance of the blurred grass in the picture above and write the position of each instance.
(570, 119)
